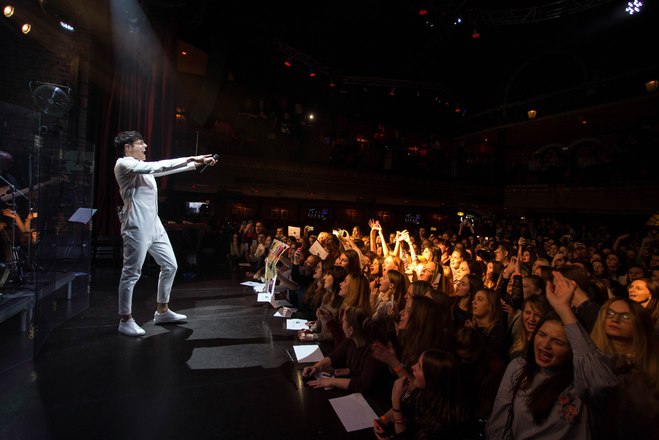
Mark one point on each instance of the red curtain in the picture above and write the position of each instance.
(135, 90)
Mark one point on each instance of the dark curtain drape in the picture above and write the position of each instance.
(134, 82)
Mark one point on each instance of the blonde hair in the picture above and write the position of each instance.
(644, 345)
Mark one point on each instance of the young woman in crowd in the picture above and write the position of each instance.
(465, 289)
(355, 370)
(535, 307)
(330, 303)
(427, 405)
(624, 332)
(355, 293)
(486, 317)
(421, 327)
(389, 299)
(350, 261)
(492, 272)
(646, 292)
(551, 392)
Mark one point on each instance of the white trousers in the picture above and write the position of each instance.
(136, 247)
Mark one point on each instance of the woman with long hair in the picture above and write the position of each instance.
(355, 370)
(646, 292)
(486, 317)
(355, 293)
(465, 289)
(549, 393)
(427, 405)
(330, 302)
(534, 308)
(390, 298)
(624, 332)
(420, 328)
(350, 261)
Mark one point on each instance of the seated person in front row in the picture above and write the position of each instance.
(355, 369)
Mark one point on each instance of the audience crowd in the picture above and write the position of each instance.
(458, 336)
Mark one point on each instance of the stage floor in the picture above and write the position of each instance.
(223, 374)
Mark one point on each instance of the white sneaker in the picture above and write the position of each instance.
(168, 316)
(130, 328)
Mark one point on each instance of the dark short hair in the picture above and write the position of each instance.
(126, 137)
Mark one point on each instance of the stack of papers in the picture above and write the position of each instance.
(296, 324)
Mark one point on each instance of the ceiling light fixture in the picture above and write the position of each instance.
(26, 28)
(634, 7)
(8, 11)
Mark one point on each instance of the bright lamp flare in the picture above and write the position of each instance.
(634, 7)
(8, 11)
(26, 28)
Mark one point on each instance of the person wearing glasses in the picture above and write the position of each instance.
(624, 332)
(557, 389)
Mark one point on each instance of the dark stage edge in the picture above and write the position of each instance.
(224, 374)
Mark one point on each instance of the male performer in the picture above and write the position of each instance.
(141, 229)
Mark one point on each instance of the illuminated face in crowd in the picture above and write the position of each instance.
(462, 287)
(389, 264)
(480, 306)
(405, 315)
(612, 262)
(318, 272)
(328, 281)
(417, 374)
(456, 259)
(526, 257)
(463, 270)
(385, 284)
(343, 287)
(639, 292)
(342, 261)
(530, 318)
(280, 232)
(598, 268)
(618, 321)
(635, 273)
(427, 272)
(551, 346)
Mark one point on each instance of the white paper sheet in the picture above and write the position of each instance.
(258, 287)
(354, 412)
(264, 297)
(285, 312)
(296, 324)
(308, 353)
(317, 249)
(294, 231)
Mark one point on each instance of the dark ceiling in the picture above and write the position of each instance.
(389, 44)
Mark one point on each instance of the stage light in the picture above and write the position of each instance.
(311, 116)
(634, 7)
(67, 27)
(184, 53)
(26, 28)
(8, 11)
(532, 113)
(288, 63)
(312, 74)
(475, 34)
(651, 86)
(423, 11)
(392, 92)
(457, 21)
